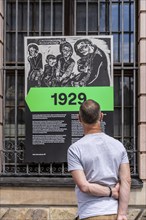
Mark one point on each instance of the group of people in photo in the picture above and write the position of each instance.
(92, 66)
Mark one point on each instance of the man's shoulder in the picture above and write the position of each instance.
(77, 144)
(112, 139)
(114, 144)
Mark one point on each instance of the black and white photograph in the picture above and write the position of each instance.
(68, 61)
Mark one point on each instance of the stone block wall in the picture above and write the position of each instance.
(56, 213)
(142, 89)
(51, 213)
(54, 203)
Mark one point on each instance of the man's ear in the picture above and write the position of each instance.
(101, 116)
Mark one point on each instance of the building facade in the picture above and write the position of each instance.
(47, 189)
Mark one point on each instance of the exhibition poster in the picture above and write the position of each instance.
(61, 73)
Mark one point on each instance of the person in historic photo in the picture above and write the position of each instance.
(93, 64)
(65, 64)
(49, 74)
(36, 66)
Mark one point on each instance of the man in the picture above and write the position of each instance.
(98, 159)
(93, 64)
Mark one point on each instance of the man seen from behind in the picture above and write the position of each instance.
(99, 165)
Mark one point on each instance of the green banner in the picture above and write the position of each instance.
(67, 99)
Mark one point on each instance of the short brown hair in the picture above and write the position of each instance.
(89, 111)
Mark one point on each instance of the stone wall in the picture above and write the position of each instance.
(55, 203)
(142, 89)
(48, 196)
(56, 213)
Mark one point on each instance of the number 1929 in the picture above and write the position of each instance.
(70, 99)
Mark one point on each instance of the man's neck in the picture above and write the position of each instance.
(91, 129)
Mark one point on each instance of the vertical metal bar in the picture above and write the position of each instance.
(51, 168)
(4, 31)
(16, 35)
(63, 169)
(75, 17)
(39, 168)
(110, 17)
(28, 30)
(28, 15)
(119, 32)
(122, 74)
(51, 12)
(40, 16)
(98, 31)
(130, 32)
(63, 11)
(16, 84)
(134, 87)
(106, 17)
(87, 10)
(16, 121)
(27, 169)
(4, 85)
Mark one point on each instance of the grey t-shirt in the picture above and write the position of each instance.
(100, 156)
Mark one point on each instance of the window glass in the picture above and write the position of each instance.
(132, 16)
(10, 89)
(10, 97)
(81, 17)
(115, 17)
(20, 45)
(10, 106)
(11, 16)
(117, 122)
(93, 17)
(34, 17)
(20, 89)
(126, 12)
(126, 48)
(46, 16)
(116, 54)
(128, 122)
(22, 16)
(57, 17)
(132, 48)
(128, 89)
(10, 47)
(117, 91)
